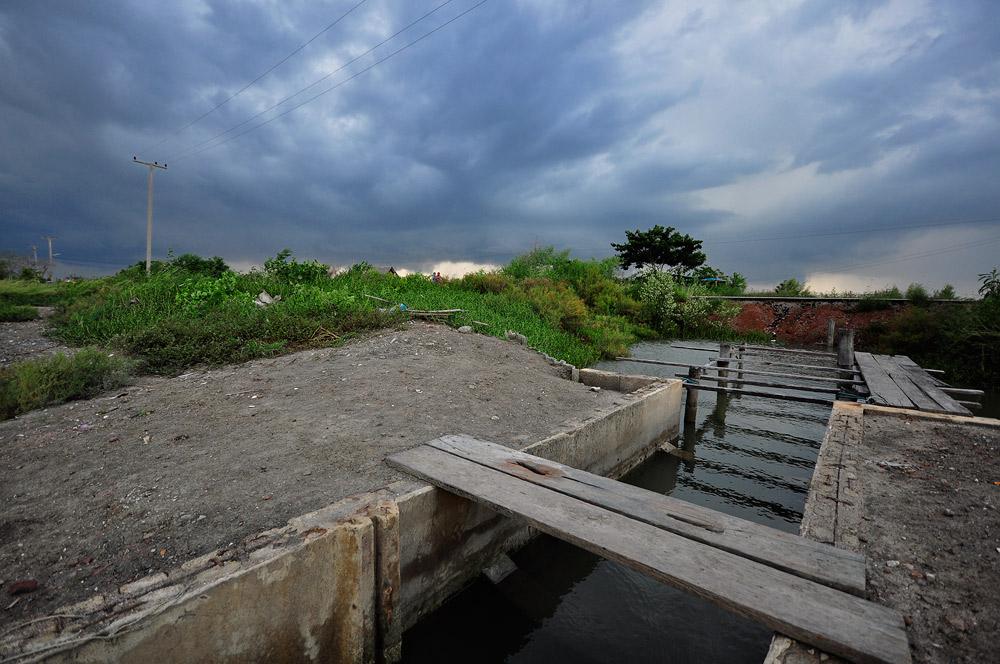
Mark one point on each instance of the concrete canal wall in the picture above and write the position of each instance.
(342, 583)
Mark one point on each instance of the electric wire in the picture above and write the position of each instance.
(176, 156)
(866, 230)
(251, 83)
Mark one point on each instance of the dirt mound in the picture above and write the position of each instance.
(805, 323)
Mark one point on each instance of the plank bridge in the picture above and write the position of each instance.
(805, 589)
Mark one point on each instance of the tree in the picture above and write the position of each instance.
(660, 248)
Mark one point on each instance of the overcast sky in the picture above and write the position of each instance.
(850, 144)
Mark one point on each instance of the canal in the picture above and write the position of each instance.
(746, 456)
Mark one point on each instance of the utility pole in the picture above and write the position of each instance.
(52, 265)
(149, 211)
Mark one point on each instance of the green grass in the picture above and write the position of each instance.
(16, 313)
(40, 382)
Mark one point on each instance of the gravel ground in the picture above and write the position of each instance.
(931, 532)
(99, 492)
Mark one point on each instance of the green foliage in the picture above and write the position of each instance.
(294, 272)
(40, 382)
(211, 267)
(196, 294)
(990, 288)
(792, 288)
(16, 313)
(485, 282)
(917, 294)
(556, 303)
(681, 309)
(946, 293)
(659, 248)
(538, 262)
(872, 302)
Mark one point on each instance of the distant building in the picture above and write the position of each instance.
(387, 269)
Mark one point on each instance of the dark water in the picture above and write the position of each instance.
(746, 456)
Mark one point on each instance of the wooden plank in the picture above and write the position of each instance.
(790, 351)
(831, 620)
(904, 381)
(814, 367)
(931, 386)
(764, 395)
(910, 365)
(747, 372)
(883, 389)
(761, 383)
(803, 557)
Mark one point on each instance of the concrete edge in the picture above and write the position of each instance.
(395, 554)
(835, 506)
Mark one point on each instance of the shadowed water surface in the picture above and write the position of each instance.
(745, 456)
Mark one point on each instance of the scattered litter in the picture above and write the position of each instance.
(264, 299)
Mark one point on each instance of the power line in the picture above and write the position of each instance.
(866, 230)
(268, 71)
(328, 90)
(897, 259)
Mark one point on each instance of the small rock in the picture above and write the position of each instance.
(957, 623)
(892, 563)
(465, 329)
(949, 513)
(930, 577)
(908, 620)
(267, 497)
(308, 472)
(22, 587)
(595, 389)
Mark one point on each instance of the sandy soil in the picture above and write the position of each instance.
(931, 533)
(97, 493)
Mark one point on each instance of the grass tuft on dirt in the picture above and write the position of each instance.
(41, 382)
(17, 313)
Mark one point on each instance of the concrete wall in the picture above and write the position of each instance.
(339, 584)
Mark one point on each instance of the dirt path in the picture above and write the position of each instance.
(97, 493)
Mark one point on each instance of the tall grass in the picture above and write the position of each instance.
(40, 382)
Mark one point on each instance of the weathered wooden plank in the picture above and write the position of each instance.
(910, 365)
(803, 557)
(930, 387)
(789, 351)
(756, 393)
(904, 381)
(883, 389)
(814, 367)
(831, 389)
(831, 620)
(747, 372)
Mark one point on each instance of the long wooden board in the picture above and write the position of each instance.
(931, 387)
(831, 620)
(904, 381)
(882, 387)
(803, 557)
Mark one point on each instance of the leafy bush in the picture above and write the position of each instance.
(17, 313)
(990, 288)
(196, 294)
(555, 303)
(917, 294)
(946, 293)
(294, 272)
(40, 382)
(485, 282)
(211, 267)
(792, 288)
(872, 303)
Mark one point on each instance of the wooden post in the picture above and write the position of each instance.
(831, 332)
(725, 352)
(691, 404)
(845, 354)
(739, 354)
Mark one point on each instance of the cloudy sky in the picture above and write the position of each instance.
(850, 144)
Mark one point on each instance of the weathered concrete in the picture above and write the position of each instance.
(339, 584)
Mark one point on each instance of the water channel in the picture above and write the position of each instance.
(747, 456)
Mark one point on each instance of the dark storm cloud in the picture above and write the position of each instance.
(565, 122)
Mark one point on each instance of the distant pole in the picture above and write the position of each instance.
(34, 255)
(831, 332)
(149, 212)
(52, 264)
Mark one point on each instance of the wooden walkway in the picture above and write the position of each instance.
(897, 381)
(787, 583)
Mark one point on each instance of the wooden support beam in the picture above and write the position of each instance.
(753, 393)
(780, 386)
(791, 351)
(691, 398)
(814, 367)
(774, 374)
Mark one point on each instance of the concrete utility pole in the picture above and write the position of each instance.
(149, 211)
(52, 265)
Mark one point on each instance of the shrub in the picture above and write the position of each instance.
(211, 267)
(294, 272)
(484, 282)
(946, 293)
(40, 382)
(17, 313)
(792, 288)
(555, 303)
(917, 294)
